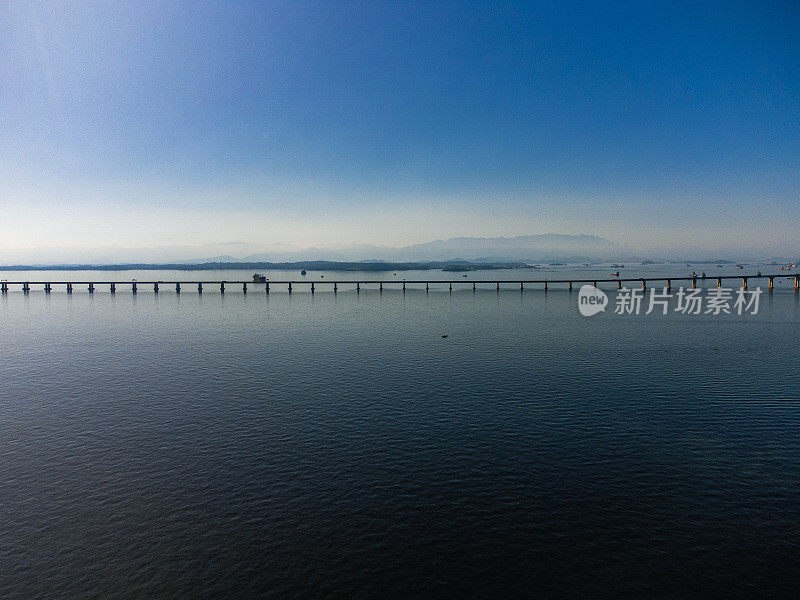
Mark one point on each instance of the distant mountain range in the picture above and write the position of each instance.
(530, 249)
(525, 248)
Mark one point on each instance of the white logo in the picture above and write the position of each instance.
(591, 300)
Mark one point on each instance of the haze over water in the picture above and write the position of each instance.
(339, 446)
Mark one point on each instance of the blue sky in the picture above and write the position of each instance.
(147, 124)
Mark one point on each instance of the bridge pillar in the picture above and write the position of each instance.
(644, 284)
(570, 286)
(312, 287)
(669, 285)
(244, 287)
(619, 285)
(426, 287)
(290, 287)
(521, 286)
(26, 287)
(744, 283)
(69, 288)
(267, 286)
(91, 288)
(719, 281)
(3, 288)
(222, 287)
(335, 288)
(133, 288)
(113, 288)
(199, 288)
(473, 286)
(594, 283)
(380, 287)
(770, 283)
(46, 288)
(177, 288)
(451, 286)
(155, 288)
(358, 287)
(404, 286)
(796, 284)
(545, 286)
(694, 282)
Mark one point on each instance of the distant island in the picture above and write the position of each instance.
(310, 265)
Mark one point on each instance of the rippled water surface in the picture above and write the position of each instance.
(339, 446)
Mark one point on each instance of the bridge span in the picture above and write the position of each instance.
(312, 286)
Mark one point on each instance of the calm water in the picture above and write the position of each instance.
(338, 446)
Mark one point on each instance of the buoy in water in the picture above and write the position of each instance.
(444, 335)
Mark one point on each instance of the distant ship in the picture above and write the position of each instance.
(259, 278)
(303, 272)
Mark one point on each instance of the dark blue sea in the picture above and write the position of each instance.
(337, 446)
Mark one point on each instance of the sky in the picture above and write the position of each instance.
(295, 124)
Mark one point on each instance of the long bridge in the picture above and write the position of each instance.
(544, 284)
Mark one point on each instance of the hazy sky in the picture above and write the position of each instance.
(148, 124)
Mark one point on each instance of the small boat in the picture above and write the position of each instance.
(739, 267)
(703, 275)
(758, 273)
(303, 272)
(615, 274)
(259, 278)
(719, 266)
(464, 275)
